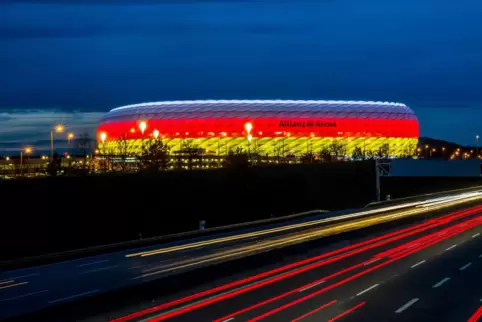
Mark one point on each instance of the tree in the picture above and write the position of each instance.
(155, 156)
(337, 149)
(308, 157)
(86, 145)
(383, 152)
(325, 155)
(237, 159)
(409, 151)
(123, 154)
(357, 154)
(54, 166)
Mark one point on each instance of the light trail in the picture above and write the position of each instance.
(450, 201)
(325, 289)
(280, 242)
(379, 241)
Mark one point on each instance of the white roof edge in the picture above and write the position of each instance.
(201, 102)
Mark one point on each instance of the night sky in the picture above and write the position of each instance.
(73, 60)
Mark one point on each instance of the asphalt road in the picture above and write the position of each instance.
(32, 289)
(431, 272)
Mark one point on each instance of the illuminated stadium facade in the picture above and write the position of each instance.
(272, 127)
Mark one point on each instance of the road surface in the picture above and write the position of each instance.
(429, 272)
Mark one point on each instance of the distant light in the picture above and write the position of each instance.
(142, 126)
(250, 137)
(248, 126)
(70, 136)
(103, 136)
(59, 128)
(155, 133)
(133, 130)
(28, 150)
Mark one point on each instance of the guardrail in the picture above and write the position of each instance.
(97, 250)
(427, 195)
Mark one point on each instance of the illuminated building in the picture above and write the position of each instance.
(271, 127)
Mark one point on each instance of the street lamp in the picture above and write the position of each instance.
(142, 126)
(59, 128)
(70, 136)
(155, 134)
(27, 151)
(103, 136)
(248, 127)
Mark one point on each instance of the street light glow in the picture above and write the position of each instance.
(70, 136)
(250, 137)
(103, 136)
(248, 126)
(155, 133)
(59, 128)
(142, 126)
(28, 150)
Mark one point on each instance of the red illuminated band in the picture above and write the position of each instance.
(259, 128)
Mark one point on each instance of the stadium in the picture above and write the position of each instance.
(270, 127)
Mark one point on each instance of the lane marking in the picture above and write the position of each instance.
(12, 285)
(475, 235)
(371, 262)
(465, 266)
(230, 319)
(451, 247)
(419, 263)
(368, 289)
(441, 282)
(93, 263)
(406, 305)
(24, 295)
(73, 296)
(308, 287)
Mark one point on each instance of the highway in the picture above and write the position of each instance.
(428, 272)
(31, 289)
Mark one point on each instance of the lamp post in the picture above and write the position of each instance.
(27, 151)
(477, 145)
(59, 128)
(248, 127)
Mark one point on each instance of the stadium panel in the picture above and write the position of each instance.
(272, 127)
